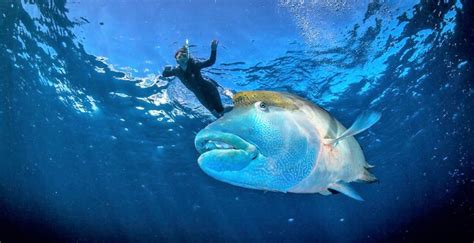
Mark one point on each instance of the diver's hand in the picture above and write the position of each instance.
(168, 68)
(214, 45)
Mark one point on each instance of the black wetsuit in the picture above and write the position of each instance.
(204, 89)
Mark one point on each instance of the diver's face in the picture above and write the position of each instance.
(182, 58)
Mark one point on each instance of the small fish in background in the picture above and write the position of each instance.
(281, 142)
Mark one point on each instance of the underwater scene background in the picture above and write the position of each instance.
(95, 145)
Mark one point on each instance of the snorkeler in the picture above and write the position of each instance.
(188, 71)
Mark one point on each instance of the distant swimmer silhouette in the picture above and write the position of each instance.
(188, 71)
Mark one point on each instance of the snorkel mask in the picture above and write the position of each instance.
(183, 52)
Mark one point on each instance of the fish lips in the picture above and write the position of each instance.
(223, 152)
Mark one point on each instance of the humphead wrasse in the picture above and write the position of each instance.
(281, 142)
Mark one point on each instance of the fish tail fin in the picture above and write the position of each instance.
(362, 123)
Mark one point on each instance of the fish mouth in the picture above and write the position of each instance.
(222, 151)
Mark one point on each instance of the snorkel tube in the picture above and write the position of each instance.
(186, 46)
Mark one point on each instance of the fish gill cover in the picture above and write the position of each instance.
(92, 149)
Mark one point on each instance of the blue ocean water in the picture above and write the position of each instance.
(96, 146)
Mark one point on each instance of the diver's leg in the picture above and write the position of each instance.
(227, 92)
(213, 98)
(216, 114)
(216, 84)
(228, 108)
(205, 101)
(208, 95)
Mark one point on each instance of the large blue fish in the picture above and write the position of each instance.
(281, 142)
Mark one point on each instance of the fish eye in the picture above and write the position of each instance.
(261, 105)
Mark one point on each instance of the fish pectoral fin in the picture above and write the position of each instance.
(362, 123)
(345, 189)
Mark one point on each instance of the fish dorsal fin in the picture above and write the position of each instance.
(345, 189)
(362, 123)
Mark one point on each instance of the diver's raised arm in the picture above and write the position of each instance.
(212, 59)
